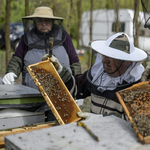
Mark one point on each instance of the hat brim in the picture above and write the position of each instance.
(102, 48)
(42, 16)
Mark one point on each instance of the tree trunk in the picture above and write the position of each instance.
(79, 13)
(7, 31)
(32, 5)
(70, 16)
(1, 2)
(136, 24)
(26, 7)
(54, 8)
(116, 9)
(91, 27)
(27, 12)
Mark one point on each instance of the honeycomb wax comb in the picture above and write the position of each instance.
(54, 92)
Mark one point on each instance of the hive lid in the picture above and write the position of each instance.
(17, 91)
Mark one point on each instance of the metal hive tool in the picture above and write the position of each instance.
(136, 103)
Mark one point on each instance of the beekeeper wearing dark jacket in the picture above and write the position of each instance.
(118, 65)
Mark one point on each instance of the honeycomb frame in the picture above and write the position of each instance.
(54, 92)
(135, 101)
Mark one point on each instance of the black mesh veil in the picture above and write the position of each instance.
(33, 38)
(146, 3)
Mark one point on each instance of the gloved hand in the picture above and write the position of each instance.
(56, 64)
(45, 57)
(9, 78)
(84, 115)
(146, 74)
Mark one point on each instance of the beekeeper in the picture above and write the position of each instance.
(118, 65)
(34, 44)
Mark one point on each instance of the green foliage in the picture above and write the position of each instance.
(3, 61)
(17, 11)
(74, 43)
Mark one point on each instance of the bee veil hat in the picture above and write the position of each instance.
(119, 46)
(43, 12)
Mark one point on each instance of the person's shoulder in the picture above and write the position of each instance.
(67, 36)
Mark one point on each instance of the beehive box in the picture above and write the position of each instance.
(54, 92)
(136, 103)
(22, 129)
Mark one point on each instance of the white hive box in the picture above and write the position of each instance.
(114, 134)
(14, 97)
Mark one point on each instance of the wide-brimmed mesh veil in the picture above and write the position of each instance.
(33, 37)
(146, 11)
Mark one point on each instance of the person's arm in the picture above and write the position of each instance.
(73, 57)
(15, 64)
(76, 68)
(21, 49)
(77, 85)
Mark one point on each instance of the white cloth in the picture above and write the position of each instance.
(56, 63)
(87, 115)
(105, 82)
(9, 78)
(84, 115)
(79, 102)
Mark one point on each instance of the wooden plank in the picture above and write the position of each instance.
(146, 140)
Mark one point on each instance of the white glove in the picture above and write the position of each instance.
(45, 57)
(9, 78)
(56, 64)
(84, 115)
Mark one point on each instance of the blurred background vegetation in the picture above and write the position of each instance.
(71, 10)
(68, 9)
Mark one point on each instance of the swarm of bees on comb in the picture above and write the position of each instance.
(137, 101)
(54, 91)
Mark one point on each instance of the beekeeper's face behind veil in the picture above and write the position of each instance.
(41, 25)
(114, 67)
(43, 18)
(117, 61)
